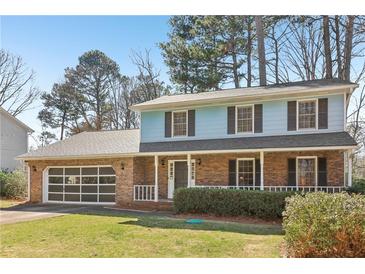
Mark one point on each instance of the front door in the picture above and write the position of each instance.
(181, 174)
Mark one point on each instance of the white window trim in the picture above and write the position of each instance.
(253, 119)
(316, 119)
(172, 124)
(315, 168)
(254, 170)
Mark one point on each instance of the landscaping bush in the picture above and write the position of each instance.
(13, 185)
(230, 202)
(325, 225)
(358, 186)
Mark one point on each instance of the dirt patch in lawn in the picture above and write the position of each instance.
(237, 219)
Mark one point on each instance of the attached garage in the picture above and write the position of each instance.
(79, 184)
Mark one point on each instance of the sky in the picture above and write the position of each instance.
(49, 44)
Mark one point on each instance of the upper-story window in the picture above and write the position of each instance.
(307, 114)
(244, 119)
(179, 123)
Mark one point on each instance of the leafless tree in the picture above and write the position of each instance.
(17, 91)
(327, 46)
(261, 49)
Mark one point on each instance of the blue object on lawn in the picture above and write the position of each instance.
(194, 221)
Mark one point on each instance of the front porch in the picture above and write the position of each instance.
(157, 177)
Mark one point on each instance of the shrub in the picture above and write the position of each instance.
(358, 186)
(325, 225)
(230, 202)
(13, 185)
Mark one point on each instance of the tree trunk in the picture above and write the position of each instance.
(249, 52)
(63, 125)
(235, 71)
(348, 47)
(338, 47)
(327, 47)
(261, 50)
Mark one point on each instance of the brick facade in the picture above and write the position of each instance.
(212, 170)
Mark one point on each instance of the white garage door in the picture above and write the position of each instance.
(86, 184)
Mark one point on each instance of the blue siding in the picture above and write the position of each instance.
(211, 122)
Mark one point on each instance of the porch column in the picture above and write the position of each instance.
(156, 178)
(189, 170)
(349, 171)
(262, 170)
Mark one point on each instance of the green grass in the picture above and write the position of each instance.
(6, 203)
(136, 236)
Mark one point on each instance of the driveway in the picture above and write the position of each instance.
(24, 213)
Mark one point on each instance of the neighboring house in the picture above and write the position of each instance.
(13, 140)
(272, 138)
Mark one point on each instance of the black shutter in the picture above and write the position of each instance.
(292, 175)
(191, 122)
(231, 120)
(232, 172)
(322, 172)
(168, 124)
(258, 118)
(257, 172)
(323, 113)
(292, 115)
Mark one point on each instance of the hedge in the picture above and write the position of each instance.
(13, 184)
(325, 225)
(358, 186)
(230, 202)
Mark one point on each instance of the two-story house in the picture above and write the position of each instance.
(273, 138)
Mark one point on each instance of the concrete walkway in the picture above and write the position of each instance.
(22, 213)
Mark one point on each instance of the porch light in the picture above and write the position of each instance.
(199, 161)
(122, 166)
(34, 168)
(162, 162)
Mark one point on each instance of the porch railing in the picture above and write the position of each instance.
(144, 193)
(328, 189)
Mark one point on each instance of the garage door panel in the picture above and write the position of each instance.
(72, 189)
(107, 189)
(72, 197)
(89, 198)
(89, 189)
(55, 188)
(107, 198)
(55, 197)
(84, 184)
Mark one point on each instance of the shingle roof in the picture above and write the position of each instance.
(127, 142)
(265, 142)
(89, 144)
(16, 120)
(244, 93)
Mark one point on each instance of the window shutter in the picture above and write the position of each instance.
(191, 122)
(323, 113)
(258, 118)
(292, 175)
(257, 172)
(232, 172)
(292, 115)
(168, 117)
(231, 120)
(322, 172)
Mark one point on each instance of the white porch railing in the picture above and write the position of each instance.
(328, 189)
(144, 193)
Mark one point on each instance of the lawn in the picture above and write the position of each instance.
(137, 236)
(5, 203)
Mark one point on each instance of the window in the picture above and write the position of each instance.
(244, 119)
(306, 168)
(246, 172)
(179, 123)
(307, 114)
